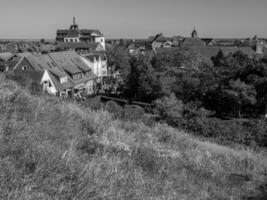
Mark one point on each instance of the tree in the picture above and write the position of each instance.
(142, 83)
(241, 94)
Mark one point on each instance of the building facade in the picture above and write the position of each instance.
(76, 35)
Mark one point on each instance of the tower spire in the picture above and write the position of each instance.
(74, 23)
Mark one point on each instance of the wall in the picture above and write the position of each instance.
(101, 40)
(50, 90)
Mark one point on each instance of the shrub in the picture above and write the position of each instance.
(115, 109)
(133, 112)
(35, 88)
(247, 132)
(18, 78)
(93, 103)
(170, 109)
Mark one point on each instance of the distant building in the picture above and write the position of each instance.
(194, 34)
(76, 35)
(8, 61)
(194, 41)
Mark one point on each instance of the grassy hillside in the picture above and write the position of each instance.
(56, 150)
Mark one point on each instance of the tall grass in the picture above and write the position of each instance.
(56, 150)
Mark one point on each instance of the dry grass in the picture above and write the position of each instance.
(55, 150)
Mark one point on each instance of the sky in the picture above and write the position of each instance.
(33, 19)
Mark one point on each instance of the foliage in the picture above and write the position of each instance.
(93, 103)
(170, 109)
(115, 109)
(133, 113)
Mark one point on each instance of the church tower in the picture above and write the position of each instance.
(74, 26)
(194, 33)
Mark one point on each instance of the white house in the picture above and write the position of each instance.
(63, 73)
(97, 62)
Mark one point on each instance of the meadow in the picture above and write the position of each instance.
(51, 149)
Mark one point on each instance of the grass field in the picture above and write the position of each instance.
(51, 149)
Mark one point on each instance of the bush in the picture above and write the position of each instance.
(115, 109)
(247, 132)
(35, 88)
(18, 78)
(170, 109)
(133, 112)
(93, 103)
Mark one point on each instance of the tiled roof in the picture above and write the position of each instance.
(80, 45)
(70, 61)
(75, 33)
(88, 31)
(60, 64)
(187, 42)
(59, 86)
(6, 56)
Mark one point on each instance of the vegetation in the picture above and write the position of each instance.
(51, 149)
(203, 99)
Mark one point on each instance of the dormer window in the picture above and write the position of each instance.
(77, 76)
(63, 79)
(88, 73)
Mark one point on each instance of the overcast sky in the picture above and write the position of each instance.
(134, 18)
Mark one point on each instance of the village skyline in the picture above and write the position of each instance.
(135, 19)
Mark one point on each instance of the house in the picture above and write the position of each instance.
(97, 61)
(159, 41)
(19, 46)
(2, 48)
(76, 35)
(7, 61)
(64, 73)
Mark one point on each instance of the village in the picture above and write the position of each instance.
(76, 65)
(128, 99)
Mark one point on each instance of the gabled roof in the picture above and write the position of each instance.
(70, 61)
(91, 31)
(58, 65)
(207, 40)
(188, 42)
(75, 33)
(246, 50)
(6, 56)
(59, 86)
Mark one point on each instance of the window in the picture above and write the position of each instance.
(47, 83)
(24, 68)
(63, 80)
(77, 76)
